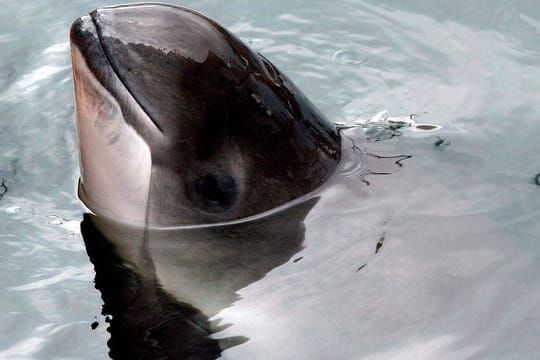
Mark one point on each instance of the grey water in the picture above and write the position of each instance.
(437, 260)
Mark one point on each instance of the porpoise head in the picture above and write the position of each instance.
(179, 122)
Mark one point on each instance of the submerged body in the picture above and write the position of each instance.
(162, 286)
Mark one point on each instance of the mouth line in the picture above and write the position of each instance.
(93, 16)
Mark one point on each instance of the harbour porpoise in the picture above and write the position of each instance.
(186, 134)
(179, 122)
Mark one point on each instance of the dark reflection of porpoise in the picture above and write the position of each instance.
(161, 286)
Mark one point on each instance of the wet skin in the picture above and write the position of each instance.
(181, 123)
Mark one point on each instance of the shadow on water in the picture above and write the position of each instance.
(161, 287)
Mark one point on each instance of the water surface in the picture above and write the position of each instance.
(458, 272)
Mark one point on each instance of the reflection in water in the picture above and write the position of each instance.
(3, 188)
(161, 286)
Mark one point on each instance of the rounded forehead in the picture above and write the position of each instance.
(163, 27)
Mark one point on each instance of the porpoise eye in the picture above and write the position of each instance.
(213, 192)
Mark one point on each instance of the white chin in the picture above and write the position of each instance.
(115, 160)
